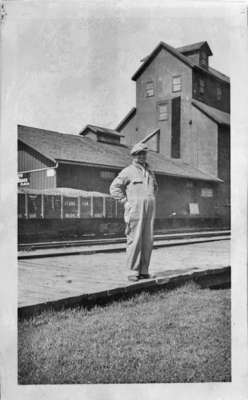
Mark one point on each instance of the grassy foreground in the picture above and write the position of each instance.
(182, 335)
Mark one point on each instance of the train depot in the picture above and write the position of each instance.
(64, 179)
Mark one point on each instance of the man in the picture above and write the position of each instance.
(135, 187)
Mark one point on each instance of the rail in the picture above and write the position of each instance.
(102, 241)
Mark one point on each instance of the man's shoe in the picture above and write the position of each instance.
(145, 276)
(133, 278)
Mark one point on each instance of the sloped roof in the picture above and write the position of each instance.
(219, 74)
(218, 116)
(194, 47)
(100, 130)
(80, 149)
(178, 54)
(150, 57)
(126, 119)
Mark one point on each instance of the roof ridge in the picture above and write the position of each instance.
(99, 129)
(194, 46)
(169, 48)
(44, 130)
(99, 126)
(191, 44)
(128, 115)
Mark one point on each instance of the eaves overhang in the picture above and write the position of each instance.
(157, 171)
(220, 120)
(41, 153)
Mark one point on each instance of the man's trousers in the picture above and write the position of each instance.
(139, 218)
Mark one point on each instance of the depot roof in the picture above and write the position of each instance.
(67, 148)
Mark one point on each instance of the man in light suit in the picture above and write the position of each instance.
(135, 187)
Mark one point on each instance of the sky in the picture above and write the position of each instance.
(70, 63)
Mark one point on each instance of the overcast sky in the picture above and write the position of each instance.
(71, 63)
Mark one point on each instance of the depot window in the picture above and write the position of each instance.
(109, 175)
(176, 83)
(149, 89)
(163, 114)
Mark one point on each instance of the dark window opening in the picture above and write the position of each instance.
(175, 127)
(158, 142)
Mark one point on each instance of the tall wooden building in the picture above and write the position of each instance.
(178, 92)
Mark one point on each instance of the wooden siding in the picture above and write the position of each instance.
(210, 94)
(83, 177)
(40, 180)
(129, 132)
(161, 71)
(204, 143)
(223, 194)
(174, 196)
(29, 159)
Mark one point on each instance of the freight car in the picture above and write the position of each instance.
(62, 214)
(65, 213)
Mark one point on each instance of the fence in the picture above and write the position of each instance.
(34, 205)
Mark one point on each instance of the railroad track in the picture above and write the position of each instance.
(103, 241)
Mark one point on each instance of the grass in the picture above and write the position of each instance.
(182, 335)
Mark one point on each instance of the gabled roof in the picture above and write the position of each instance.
(178, 54)
(126, 119)
(216, 115)
(190, 48)
(82, 150)
(150, 57)
(100, 131)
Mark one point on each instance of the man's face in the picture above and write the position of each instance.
(141, 157)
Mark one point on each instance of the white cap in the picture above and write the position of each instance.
(138, 147)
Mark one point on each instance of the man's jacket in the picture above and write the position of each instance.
(134, 183)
